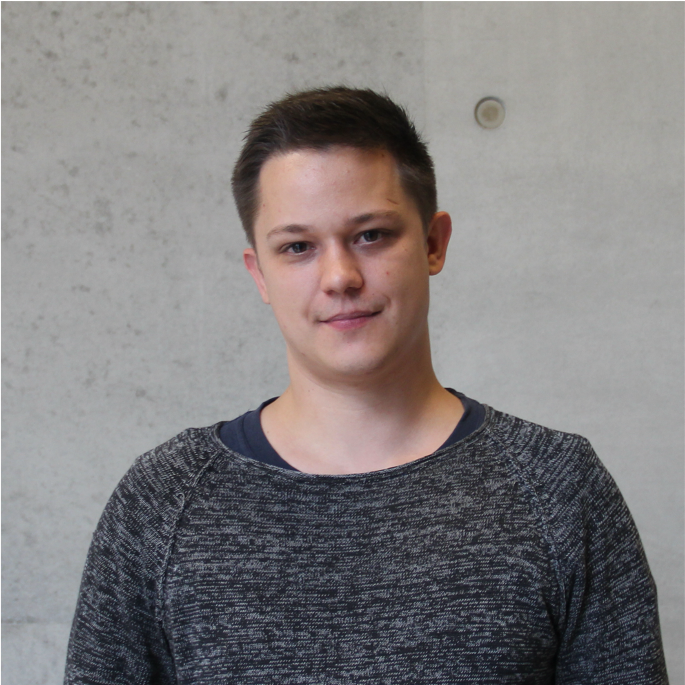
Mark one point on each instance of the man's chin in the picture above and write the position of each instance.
(353, 369)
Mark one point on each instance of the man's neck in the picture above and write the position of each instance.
(333, 427)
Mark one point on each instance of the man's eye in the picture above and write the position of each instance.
(371, 236)
(296, 248)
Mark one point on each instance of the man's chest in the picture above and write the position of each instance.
(444, 584)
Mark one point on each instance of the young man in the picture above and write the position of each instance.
(368, 525)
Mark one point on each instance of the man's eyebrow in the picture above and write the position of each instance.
(288, 228)
(371, 216)
(296, 229)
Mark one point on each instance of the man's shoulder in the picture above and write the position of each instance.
(159, 481)
(538, 449)
(527, 439)
(560, 469)
(564, 477)
(177, 462)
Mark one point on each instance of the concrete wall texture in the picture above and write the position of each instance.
(128, 315)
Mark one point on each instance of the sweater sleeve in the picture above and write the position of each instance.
(117, 634)
(605, 611)
(611, 630)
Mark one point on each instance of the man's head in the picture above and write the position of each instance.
(334, 117)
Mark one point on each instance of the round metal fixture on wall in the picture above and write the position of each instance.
(489, 112)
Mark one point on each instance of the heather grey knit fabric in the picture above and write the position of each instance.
(509, 557)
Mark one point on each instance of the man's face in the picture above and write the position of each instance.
(342, 257)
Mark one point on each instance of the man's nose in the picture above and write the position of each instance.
(340, 271)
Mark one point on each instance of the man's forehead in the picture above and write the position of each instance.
(317, 160)
(327, 172)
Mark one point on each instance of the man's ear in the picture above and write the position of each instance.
(437, 240)
(252, 265)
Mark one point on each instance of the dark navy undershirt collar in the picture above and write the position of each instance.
(246, 436)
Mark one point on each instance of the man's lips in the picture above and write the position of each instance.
(347, 320)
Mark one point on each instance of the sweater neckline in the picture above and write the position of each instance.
(346, 478)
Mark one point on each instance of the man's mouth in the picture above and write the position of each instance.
(348, 320)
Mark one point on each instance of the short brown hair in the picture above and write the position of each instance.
(326, 117)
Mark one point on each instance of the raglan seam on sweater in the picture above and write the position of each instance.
(191, 442)
(541, 517)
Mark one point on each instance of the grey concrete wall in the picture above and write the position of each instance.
(128, 315)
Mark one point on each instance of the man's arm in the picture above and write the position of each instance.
(118, 635)
(612, 632)
(605, 609)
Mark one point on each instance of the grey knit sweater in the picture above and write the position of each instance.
(508, 557)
